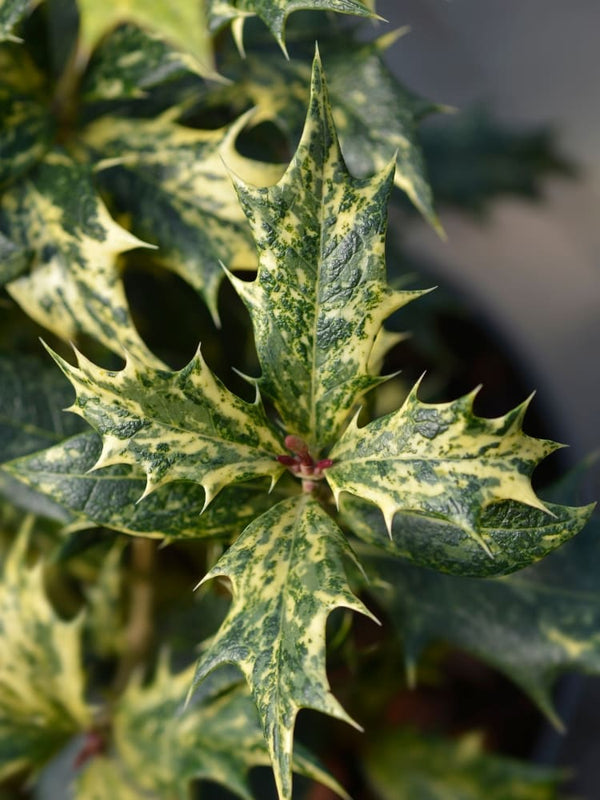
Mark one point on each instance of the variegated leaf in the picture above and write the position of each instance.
(274, 13)
(26, 127)
(320, 296)
(183, 425)
(14, 260)
(130, 61)
(11, 12)
(439, 460)
(287, 575)
(174, 182)
(74, 285)
(406, 766)
(515, 535)
(534, 625)
(181, 24)
(109, 496)
(375, 115)
(217, 737)
(41, 679)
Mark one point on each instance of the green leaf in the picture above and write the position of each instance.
(217, 737)
(375, 115)
(287, 576)
(183, 425)
(74, 285)
(14, 260)
(534, 625)
(26, 127)
(174, 181)
(11, 12)
(321, 295)
(109, 496)
(439, 460)
(405, 766)
(515, 535)
(181, 24)
(41, 680)
(274, 12)
(130, 61)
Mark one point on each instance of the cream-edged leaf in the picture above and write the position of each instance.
(181, 24)
(275, 12)
(74, 285)
(183, 425)
(439, 460)
(320, 296)
(403, 765)
(174, 183)
(287, 575)
(26, 126)
(109, 496)
(515, 535)
(41, 677)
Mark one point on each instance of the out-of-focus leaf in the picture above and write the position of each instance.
(181, 24)
(287, 575)
(11, 13)
(109, 497)
(41, 677)
(26, 127)
(74, 285)
(516, 535)
(405, 766)
(175, 184)
(14, 260)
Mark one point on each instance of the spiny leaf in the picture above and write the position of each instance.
(74, 285)
(439, 460)
(516, 535)
(26, 127)
(41, 680)
(11, 12)
(174, 182)
(182, 25)
(406, 766)
(130, 61)
(274, 13)
(183, 425)
(375, 115)
(109, 496)
(287, 576)
(217, 738)
(534, 625)
(320, 296)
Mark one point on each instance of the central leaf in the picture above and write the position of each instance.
(287, 575)
(321, 295)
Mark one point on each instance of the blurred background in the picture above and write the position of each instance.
(532, 268)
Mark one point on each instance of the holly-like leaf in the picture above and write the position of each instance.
(183, 425)
(41, 679)
(406, 766)
(26, 127)
(439, 460)
(11, 13)
(175, 184)
(181, 24)
(130, 61)
(74, 285)
(275, 12)
(217, 737)
(109, 496)
(287, 575)
(515, 535)
(320, 296)
(376, 117)
(533, 625)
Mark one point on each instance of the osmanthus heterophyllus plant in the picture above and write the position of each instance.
(317, 306)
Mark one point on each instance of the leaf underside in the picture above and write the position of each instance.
(320, 296)
(287, 576)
